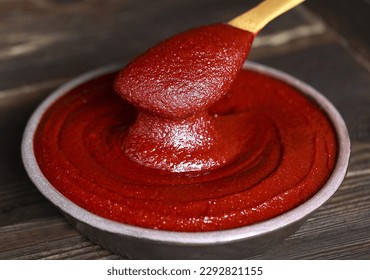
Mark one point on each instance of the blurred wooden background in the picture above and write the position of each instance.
(44, 43)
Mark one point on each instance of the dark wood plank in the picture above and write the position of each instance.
(34, 232)
(45, 43)
(350, 19)
(49, 41)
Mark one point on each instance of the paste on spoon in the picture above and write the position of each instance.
(269, 148)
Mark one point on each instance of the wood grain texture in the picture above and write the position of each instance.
(44, 43)
(339, 229)
(350, 19)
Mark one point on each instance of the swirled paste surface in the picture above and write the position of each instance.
(287, 152)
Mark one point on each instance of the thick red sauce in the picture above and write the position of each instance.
(272, 146)
(289, 151)
(172, 85)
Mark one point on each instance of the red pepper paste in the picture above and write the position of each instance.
(269, 148)
(172, 85)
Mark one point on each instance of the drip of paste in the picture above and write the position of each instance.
(172, 85)
(269, 147)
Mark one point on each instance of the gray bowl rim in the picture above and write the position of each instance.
(190, 238)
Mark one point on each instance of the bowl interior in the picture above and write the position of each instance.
(280, 222)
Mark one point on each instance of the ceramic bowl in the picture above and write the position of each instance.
(143, 243)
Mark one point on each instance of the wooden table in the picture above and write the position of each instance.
(44, 43)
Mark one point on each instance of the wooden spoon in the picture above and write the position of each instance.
(256, 18)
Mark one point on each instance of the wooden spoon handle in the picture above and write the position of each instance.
(256, 18)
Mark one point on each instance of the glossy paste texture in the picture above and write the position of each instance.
(287, 153)
(172, 85)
